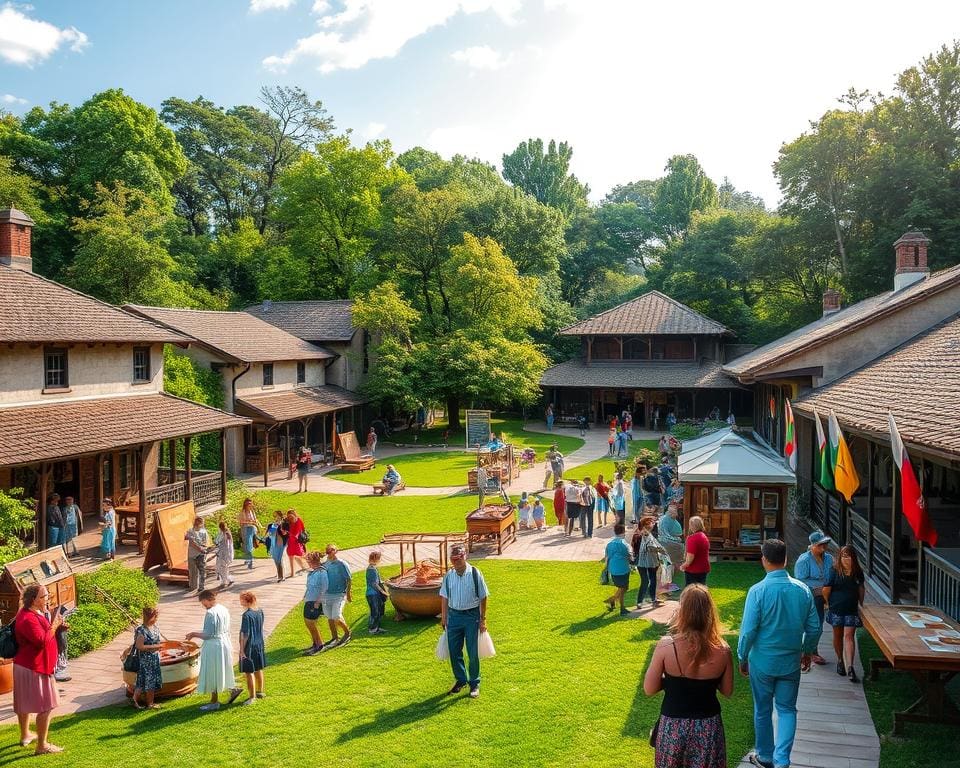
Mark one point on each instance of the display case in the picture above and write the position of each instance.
(50, 568)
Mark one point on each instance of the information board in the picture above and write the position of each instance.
(478, 428)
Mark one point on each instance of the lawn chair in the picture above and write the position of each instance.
(349, 456)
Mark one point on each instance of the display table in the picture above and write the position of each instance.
(933, 663)
(492, 522)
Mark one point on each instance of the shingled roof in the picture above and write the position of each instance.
(36, 310)
(237, 336)
(316, 321)
(652, 313)
(51, 431)
(645, 375)
(297, 403)
(919, 382)
(849, 319)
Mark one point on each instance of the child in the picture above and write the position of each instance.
(108, 529)
(224, 546)
(73, 522)
(539, 514)
(253, 657)
(376, 594)
(523, 510)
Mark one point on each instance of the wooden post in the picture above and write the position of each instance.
(871, 455)
(41, 539)
(894, 539)
(142, 511)
(286, 449)
(266, 456)
(99, 481)
(223, 466)
(172, 448)
(187, 468)
(324, 424)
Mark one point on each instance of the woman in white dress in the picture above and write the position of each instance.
(216, 654)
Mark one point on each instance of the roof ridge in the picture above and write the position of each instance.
(683, 306)
(652, 292)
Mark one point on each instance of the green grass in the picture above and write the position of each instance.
(920, 744)
(604, 464)
(565, 688)
(512, 427)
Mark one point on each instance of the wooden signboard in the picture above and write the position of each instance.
(478, 428)
(50, 568)
(166, 545)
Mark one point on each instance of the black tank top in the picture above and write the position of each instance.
(689, 698)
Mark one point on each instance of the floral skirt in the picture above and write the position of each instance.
(843, 620)
(687, 743)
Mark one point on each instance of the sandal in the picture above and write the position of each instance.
(50, 749)
(28, 741)
(841, 670)
(853, 676)
(136, 705)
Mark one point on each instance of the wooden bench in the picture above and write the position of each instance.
(379, 489)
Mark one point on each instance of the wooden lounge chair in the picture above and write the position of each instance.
(379, 489)
(350, 458)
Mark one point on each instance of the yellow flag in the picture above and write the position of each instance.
(845, 477)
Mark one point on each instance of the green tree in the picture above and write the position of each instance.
(184, 377)
(546, 175)
(684, 189)
(16, 518)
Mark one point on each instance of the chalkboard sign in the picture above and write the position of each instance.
(478, 428)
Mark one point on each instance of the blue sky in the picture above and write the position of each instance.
(627, 83)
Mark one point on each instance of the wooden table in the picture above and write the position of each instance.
(494, 522)
(904, 650)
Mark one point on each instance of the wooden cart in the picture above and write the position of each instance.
(492, 523)
(411, 594)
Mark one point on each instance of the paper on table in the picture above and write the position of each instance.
(918, 620)
(934, 644)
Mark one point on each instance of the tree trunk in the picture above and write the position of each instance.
(453, 412)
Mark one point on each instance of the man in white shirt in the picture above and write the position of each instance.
(463, 614)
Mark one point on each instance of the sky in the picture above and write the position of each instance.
(627, 84)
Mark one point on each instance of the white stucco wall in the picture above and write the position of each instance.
(347, 369)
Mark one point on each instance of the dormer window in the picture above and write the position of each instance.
(268, 374)
(55, 374)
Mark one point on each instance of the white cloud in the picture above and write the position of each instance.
(9, 98)
(259, 6)
(479, 57)
(373, 131)
(377, 29)
(26, 41)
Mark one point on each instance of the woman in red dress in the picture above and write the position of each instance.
(34, 689)
(295, 548)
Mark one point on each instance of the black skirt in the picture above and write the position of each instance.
(253, 659)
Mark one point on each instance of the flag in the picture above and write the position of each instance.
(845, 477)
(914, 507)
(823, 455)
(773, 408)
(790, 440)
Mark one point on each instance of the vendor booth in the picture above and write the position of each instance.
(739, 489)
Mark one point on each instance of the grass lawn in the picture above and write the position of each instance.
(604, 464)
(920, 744)
(566, 440)
(564, 689)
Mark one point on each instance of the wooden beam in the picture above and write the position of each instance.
(266, 456)
(187, 468)
(871, 501)
(99, 481)
(41, 538)
(172, 449)
(141, 455)
(895, 510)
(223, 466)
(286, 448)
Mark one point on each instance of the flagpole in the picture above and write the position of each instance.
(896, 512)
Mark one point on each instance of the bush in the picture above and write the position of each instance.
(96, 620)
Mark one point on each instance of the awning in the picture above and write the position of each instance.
(731, 458)
(60, 430)
(297, 403)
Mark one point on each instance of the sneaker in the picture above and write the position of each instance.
(63, 677)
(754, 759)
(234, 695)
(261, 695)
(345, 639)
(475, 692)
(212, 707)
(314, 650)
(331, 644)
(457, 687)
(380, 631)
(248, 702)
(624, 612)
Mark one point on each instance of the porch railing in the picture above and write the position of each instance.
(835, 526)
(939, 583)
(205, 490)
(859, 539)
(818, 509)
(881, 560)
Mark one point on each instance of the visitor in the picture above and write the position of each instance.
(777, 636)
(813, 568)
(223, 543)
(843, 594)
(198, 544)
(588, 498)
(622, 443)
(617, 562)
(148, 642)
(690, 665)
(674, 493)
(611, 438)
(34, 689)
(618, 498)
(372, 442)
(636, 496)
(376, 593)
(652, 488)
(553, 466)
(296, 539)
(339, 587)
(276, 541)
(523, 511)
(646, 557)
(72, 525)
(663, 445)
(582, 423)
(463, 616)
(665, 471)
(696, 563)
(560, 503)
(549, 416)
(539, 514)
(495, 443)
(603, 500)
(714, 414)
(628, 426)
(108, 529)
(731, 419)
(249, 528)
(572, 507)
(60, 672)
(313, 601)
(670, 535)
(671, 421)
(304, 460)
(55, 522)
(391, 480)
(216, 652)
(253, 657)
(655, 416)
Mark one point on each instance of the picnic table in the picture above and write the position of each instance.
(899, 631)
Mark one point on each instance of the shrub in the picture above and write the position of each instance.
(97, 621)
(686, 431)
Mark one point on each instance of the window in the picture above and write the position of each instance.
(125, 474)
(268, 374)
(55, 369)
(301, 372)
(141, 364)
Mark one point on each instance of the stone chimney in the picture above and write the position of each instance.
(911, 250)
(15, 228)
(831, 301)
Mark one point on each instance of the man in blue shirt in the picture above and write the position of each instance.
(777, 637)
(338, 589)
(813, 569)
(463, 614)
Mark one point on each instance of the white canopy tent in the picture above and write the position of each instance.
(727, 457)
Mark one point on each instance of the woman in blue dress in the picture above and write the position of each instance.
(148, 643)
(108, 529)
(277, 539)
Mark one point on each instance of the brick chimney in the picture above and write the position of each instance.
(15, 227)
(911, 250)
(831, 301)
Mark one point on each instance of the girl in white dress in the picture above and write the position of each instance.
(216, 654)
(224, 545)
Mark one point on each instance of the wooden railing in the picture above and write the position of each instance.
(859, 538)
(939, 583)
(881, 560)
(818, 507)
(835, 523)
(205, 490)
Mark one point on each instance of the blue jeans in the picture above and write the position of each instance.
(648, 583)
(464, 626)
(586, 522)
(770, 690)
(54, 536)
(549, 423)
(248, 532)
(377, 603)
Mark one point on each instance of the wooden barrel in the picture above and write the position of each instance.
(179, 669)
(414, 599)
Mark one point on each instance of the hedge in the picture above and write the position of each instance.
(97, 621)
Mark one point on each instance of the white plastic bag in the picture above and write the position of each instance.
(485, 647)
(443, 650)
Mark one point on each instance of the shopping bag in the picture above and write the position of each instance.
(443, 650)
(665, 573)
(485, 647)
(604, 577)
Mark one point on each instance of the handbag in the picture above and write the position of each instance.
(605, 576)
(8, 641)
(303, 537)
(131, 662)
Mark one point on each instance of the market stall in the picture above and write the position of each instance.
(500, 464)
(495, 523)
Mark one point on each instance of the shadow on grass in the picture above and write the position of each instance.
(385, 720)
(643, 709)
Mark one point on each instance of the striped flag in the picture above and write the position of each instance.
(790, 439)
(845, 477)
(823, 455)
(911, 497)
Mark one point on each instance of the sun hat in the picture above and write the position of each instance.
(818, 537)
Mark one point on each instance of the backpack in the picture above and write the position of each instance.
(8, 641)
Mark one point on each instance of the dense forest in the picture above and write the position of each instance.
(465, 271)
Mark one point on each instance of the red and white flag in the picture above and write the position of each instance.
(914, 507)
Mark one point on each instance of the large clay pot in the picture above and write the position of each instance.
(6, 675)
(415, 599)
(179, 669)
